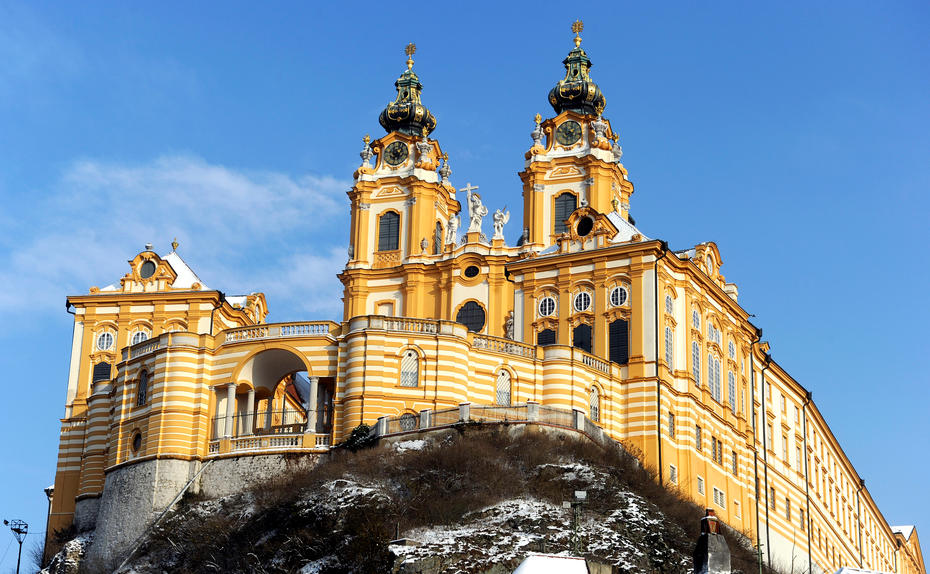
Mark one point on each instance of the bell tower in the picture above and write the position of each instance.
(402, 200)
(575, 158)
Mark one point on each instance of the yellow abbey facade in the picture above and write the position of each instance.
(174, 384)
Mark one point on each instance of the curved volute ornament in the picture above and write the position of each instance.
(577, 92)
(406, 114)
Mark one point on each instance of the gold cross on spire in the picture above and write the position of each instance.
(577, 27)
(410, 50)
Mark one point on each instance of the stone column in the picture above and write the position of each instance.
(230, 408)
(424, 419)
(532, 411)
(250, 413)
(312, 404)
(269, 410)
(464, 412)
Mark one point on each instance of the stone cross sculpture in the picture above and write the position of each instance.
(500, 219)
(453, 229)
(476, 209)
(711, 553)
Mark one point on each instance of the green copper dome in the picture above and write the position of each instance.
(406, 114)
(577, 92)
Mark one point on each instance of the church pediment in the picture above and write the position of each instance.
(587, 229)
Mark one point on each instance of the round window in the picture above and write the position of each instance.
(136, 442)
(104, 341)
(147, 269)
(585, 225)
(546, 306)
(139, 336)
(582, 302)
(618, 296)
(472, 316)
(472, 271)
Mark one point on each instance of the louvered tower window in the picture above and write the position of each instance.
(565, 204)
(410, 369)
(389, 231)
(101, 372)
(581, 337)
(503, 388)
(437, 239)
(619, 333)
(546, 337)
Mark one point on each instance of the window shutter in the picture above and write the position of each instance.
(619, 342)
(581, 337)
(546, 337)
(101, 372)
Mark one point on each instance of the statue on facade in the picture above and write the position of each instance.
(500, 219)
(366, 154)
(537, 135)
(508, 326)
(476, 209)
(616, 149)
(453, 229)
(445, 171)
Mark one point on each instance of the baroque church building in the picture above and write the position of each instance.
(585, 323)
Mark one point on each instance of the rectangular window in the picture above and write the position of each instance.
(669, 349)
(671, 424)
(736, 508)
(700, 484)
(803, 522)
(719, 498)
(797, 416)
(769, 437)
(784, 403)
(784, 449)
(672, 474)
(797, 458)
(772, 497)
(713, 449)
(697, 438)
(735, 463)
(696, 362)
(788, 509)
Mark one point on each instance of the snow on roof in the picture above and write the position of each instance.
(549, 564)
(905, 530)
(240, 300)
(186, 276)
(848, 570)
(625, 229)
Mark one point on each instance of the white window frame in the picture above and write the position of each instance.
(544, 301)
(588, 300)
(410, 369)
(720, 498)
(700, 484)
(110, 338)
(137, 334)
(670, 348)
(620, 302)
(504, 388)
(594, 404)
(696, 362)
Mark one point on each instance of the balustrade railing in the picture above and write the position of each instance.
(595, 363)
(504, 346)
(273, 330)
(411, 325)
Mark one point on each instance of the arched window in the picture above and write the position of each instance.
(437, 239)
(696, 362)
(696, 319)
(545, 337)
(731, 389)
(139, 336)
(594, 404)
(503, 388)
(713, 376)
(389, 231)
(581, 337)
(565, 204)
(669, 350)
(472, 316)
(143, 391)
(619, 334)
(410, 369)
(669, 305)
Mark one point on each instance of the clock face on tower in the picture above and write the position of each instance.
(568, 133)
(396, 153)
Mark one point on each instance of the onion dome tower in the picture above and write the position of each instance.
(577, 92)
(406, 114)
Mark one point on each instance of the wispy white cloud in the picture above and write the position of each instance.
(240, 230)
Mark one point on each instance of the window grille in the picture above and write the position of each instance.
(105, 341)
(619, 334)
(545, 337)
(731, 389)
(581, 337)
(669, 349)
(437, 239)
(669, 305)
(582, 301)
(564, 206)
(143, 391)
(408, 422)
(696, 362)
(671, 424)
(503, 388)
(101, 372)
(618, 296)
(472, 316)
(672, 474)
(389, 231)
(595, 404)
(735, 463)
(410, 369)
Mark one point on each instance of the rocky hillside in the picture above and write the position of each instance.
(470, 500)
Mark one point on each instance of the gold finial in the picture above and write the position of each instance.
(174, 244)
(410, 50)
(425, 132)
(366, 139)
(445, 156)
(538, 118)
(577, 27)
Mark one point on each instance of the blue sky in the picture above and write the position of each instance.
(796, 135)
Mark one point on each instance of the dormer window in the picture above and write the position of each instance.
(147, 269)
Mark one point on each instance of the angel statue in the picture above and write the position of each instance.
(453, 229)
(500, 219)
(476, 209)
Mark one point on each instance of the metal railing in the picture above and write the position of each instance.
(262, 422)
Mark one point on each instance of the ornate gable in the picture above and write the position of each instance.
(587, 229)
